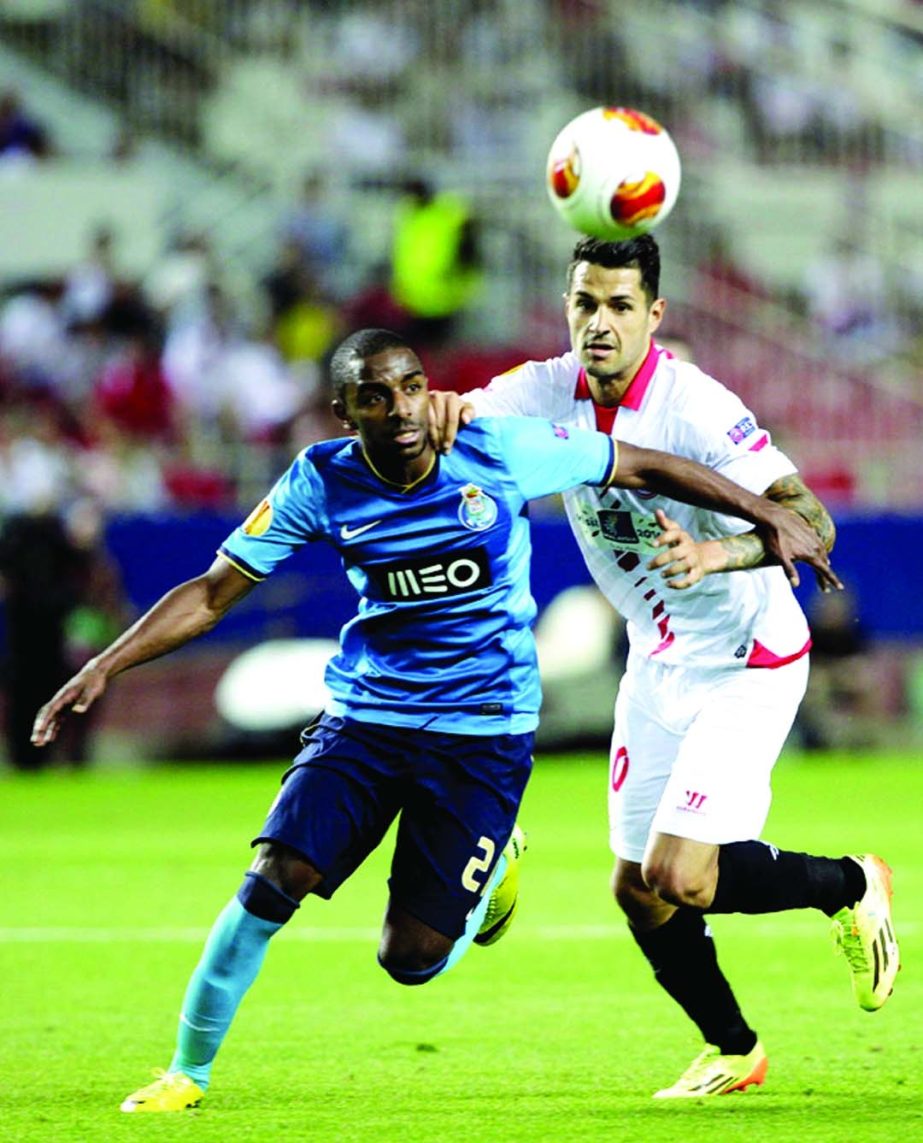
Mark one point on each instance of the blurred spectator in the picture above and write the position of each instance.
(87, 348)
(305, 320)
(307, 329)
(376, 41)
(260, 393)
(127, 312)
(133, 391)
(364, 132)
(842, 707)
(89, 286)
(178, 283)
(288, 279)
(312, 228)
(436, 261)
(373, 306)
(22, 137)
(122, 474)
(316, 421)
(36, 462)
(37, 565)
(32, 336)
(847, 299)
(230, 385)
(100, 610)
(192, 357)
(197, 483)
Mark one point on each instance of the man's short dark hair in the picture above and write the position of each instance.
(351, 352)
(641, 253)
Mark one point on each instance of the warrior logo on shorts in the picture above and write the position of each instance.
(477, 510)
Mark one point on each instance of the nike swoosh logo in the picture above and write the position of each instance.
(347, 533)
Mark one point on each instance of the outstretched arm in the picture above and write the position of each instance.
(186, 611)
(791, 522)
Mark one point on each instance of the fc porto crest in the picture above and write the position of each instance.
(477, 510)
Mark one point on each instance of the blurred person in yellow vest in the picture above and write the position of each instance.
(435, 260)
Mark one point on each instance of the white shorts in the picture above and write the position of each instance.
(693, 751)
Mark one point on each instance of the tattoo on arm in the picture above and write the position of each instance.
(743, 551)
(747, 550)
(792, 492)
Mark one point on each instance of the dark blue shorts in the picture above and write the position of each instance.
(457, 796)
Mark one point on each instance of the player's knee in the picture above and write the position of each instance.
(411, 966)
(678, 886)
(635, 900)
(263, 899)
(411, 952)
(286, 869)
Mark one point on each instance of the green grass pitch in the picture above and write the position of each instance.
(110, 881)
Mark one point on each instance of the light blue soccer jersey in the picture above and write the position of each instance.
(442, 638)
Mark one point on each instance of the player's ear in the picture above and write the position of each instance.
(339, 411)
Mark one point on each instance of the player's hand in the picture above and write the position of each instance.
(448, 411)
(788, 537)
(682, 562)
(78, 696)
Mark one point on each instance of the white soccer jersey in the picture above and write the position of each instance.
(748, 618)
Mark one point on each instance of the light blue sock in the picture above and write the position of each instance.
(232, 957)
(475, 920)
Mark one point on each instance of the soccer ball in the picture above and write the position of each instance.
(613, 173)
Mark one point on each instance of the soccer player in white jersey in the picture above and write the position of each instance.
(717, 666)
(434, 692)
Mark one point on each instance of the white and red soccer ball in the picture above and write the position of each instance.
(613, 173)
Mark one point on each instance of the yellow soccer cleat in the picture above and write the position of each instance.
(710, 1073)
(171, 1091)
(501, 907)
(865, 933)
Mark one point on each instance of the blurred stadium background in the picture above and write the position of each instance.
(198, 199)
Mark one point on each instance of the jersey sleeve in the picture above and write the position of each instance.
(725, 435)
(544, 458)
(291, 515)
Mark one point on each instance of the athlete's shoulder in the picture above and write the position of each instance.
(534, 388)
(501, 443)
(706, 419)
(562, 370)
(483, 437)
(490, 431)
(691, 391)
(322, 454)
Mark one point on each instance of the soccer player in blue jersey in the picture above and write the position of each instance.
(434, 691)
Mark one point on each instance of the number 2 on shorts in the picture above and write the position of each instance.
(480, 863)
